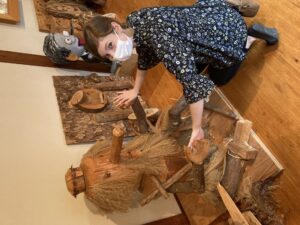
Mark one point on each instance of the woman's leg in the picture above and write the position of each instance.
(223, 76)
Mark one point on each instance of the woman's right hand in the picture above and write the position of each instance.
(125, 98)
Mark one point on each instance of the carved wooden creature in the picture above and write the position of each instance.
(155, 163)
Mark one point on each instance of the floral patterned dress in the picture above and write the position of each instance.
(209, 32)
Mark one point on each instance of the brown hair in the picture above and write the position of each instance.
(97, 27)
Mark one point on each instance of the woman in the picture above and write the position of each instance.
(185, 39)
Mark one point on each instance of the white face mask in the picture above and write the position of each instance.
(123, 49)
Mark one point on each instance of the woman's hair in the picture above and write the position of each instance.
(97, 27)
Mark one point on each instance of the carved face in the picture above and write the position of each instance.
(69, 42)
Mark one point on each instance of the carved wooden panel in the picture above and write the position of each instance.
(80, 126)
(55, 16)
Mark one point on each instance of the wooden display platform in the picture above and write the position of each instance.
(197, 208)
(84, 127)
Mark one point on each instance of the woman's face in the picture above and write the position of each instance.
(107, 45)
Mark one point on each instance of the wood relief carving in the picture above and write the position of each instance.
(87, 112)
(54, 15)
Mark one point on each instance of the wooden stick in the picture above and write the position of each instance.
(251, 219)
(117, 141)
(114, 85)
(233, 210)
(220, 111)
(168, 183)
(112, 116)
(140, 116)
(160, 187)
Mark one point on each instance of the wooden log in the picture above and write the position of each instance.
(197, 155)
(233, 210)
(176, 110)
(235, 164)
(117, 141)
(159, 186)
(234, 169)
(168, 183)
(113, 85)
(140, 116)
(112, 116)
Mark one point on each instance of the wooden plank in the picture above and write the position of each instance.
(251, 219)
(40, 60)
(233, 210)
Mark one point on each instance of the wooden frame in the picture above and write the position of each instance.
(12, 16)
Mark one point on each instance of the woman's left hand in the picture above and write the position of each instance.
(197, 134)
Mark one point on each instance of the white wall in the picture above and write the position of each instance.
(25, 36)
(33, 153)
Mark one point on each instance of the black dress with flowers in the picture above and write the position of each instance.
(209, 32)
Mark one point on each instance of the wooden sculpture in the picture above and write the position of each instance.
(157, 163)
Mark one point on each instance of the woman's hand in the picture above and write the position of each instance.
(125, 98)
(197, 134)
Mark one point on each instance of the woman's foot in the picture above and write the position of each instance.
(270, 35)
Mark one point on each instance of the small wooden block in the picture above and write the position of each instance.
(244, 151)
(77, 98)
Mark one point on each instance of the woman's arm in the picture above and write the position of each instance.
(196, 111)
(125, 98)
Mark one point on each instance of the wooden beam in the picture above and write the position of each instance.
(233, 210)
(40, 60)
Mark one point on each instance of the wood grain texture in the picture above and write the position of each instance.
(266, 91)
(39, 60)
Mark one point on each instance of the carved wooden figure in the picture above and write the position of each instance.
(157, 163)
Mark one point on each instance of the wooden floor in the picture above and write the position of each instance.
(265, 91)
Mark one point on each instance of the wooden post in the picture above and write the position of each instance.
(238, 152)
(140, 116)
(117, 141)
(197, 155)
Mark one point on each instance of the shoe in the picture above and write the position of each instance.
(247, 8)
(270, 35)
